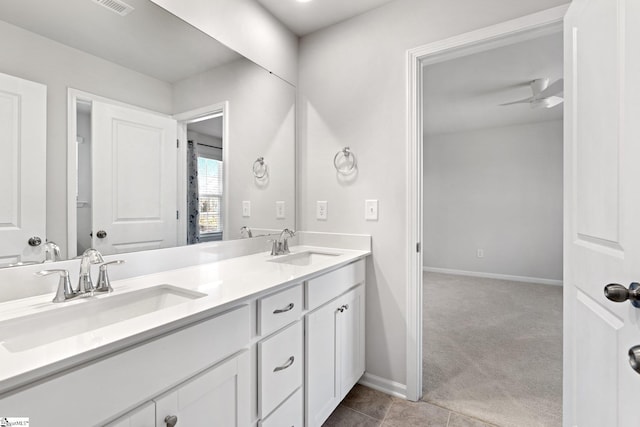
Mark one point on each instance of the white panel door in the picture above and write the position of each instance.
(217, 397)
(134, 166)
(602, 215)
(23, 135)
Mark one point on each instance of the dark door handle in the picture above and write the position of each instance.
(618, 293)
(34, 241)
(634, 358)
(101, 234)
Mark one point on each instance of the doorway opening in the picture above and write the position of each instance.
(519, 30)
(203, 159)
(205, 181)
(492, 215)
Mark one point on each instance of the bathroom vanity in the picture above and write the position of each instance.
(255, 340)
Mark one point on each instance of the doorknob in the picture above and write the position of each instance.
(618, 293)
(634, 358)
(34, 241)
(101, 234)
(171, 420)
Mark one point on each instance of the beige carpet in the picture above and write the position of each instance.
(493, 349)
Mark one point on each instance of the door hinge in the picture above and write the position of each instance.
(177, 214)
(418, 247)
(177, 143)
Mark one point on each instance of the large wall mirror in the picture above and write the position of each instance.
(153, 133)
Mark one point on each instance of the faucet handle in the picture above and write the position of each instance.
(275, 246)
(285, 240)
(65, 291)
(104, 284)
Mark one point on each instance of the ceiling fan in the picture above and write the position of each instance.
(544, 94)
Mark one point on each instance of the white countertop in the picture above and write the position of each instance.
(226, 284)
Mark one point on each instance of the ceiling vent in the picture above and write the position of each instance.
(117, 6)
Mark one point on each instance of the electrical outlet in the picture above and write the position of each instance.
(246, 209)
(321, 210)
(480, 253)
(280, 210)
(371, 210)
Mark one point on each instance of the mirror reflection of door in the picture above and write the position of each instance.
(23, 123)
(128, 157)
(205, 171)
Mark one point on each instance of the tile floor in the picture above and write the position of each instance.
(365, 407)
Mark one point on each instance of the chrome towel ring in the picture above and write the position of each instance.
(349, 162)
(260, 168)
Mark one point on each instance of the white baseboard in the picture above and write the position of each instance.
(384, 385)
(494, 276)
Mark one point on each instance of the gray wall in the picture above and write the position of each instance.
(499, 190)
(352, 91)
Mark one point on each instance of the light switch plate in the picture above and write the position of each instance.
(371, 210)
(246, 208)
(280, 209)
(321, 210)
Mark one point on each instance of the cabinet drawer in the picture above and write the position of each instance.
(290, 414)
(280, 367)
(330, 285)
(278, 310)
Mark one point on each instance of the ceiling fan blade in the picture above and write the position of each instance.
(553, 89)
(552, 101)
(521, 101)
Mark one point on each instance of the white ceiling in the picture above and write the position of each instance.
(464, 94)
(149, 39)
(210, 127)
(305, 18)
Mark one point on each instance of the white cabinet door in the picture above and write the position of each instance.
(217, 397)
(23, 135)
(602, 228)
(134, 179)
(351, 340)
(335, 353)
(144, 416)
(323, 389)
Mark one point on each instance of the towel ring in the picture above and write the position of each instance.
(260, 168)
(347, 154)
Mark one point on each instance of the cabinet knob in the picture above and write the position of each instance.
(171, 420)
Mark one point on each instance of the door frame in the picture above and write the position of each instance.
(183, 119)
(530, 26)
(75, 96)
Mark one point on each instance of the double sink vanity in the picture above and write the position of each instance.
(254, 340)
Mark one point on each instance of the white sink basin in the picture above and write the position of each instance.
(38, 329)
(304, 258)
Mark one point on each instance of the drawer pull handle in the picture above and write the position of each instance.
(285, 366)
(284, 310)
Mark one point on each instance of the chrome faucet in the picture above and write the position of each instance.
(51, 252)
(245, 231)
(281, 245)
(284, 240)
(85, 285)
